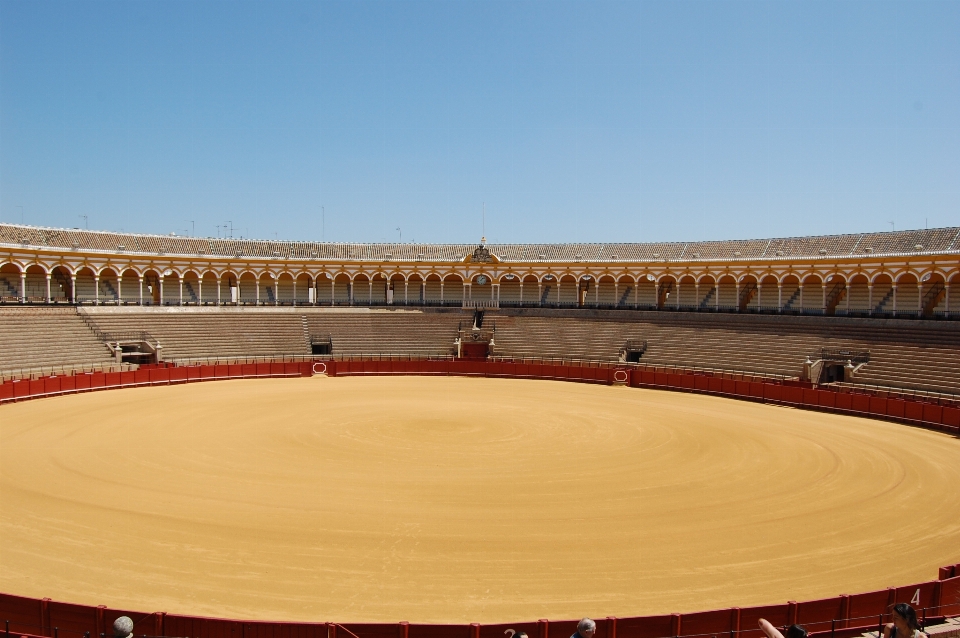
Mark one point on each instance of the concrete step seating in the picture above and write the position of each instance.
(47, 337)
(211, 334)
(389, 332)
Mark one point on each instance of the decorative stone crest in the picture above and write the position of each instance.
(481, 255)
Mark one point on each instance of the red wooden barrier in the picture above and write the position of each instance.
(844, 401)
(823, 611)
(896, 408)
(950, 595)
(951, 416)
(867, 604)
(878, 405)
(932, 413)
(32, 616)
(6, 391)
(826, 398)
(51, 385)
(861, 403)
(913, 410)
(68, 384)
(649, 627)
(706, 622)
(919, 595)
(34, 387)
(112, 379)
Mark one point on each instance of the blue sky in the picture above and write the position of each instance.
(572, 121)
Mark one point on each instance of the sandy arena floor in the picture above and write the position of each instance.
(455, 499)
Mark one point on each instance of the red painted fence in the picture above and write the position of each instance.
(839, 617)
(930, 414)
(146, 376)
(914, 411)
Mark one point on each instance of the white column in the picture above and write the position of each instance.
(276, 292)
(616, 294)
(73, 288)
(823, 288)
(696, 292)
(180, 285)
(370, 285)
(441, 291)
(119, 289)
(23, 287)
(759, 297)
(200, 291)
(919, 299)
(49, 299)
(894, 299)
(869, 299)
(636, 294)
(539, 293)
(558, 291)
(257, 298)
(801, 297)
(846, 297)
(678, 294)
(406, 290)
(521, 292)
(96, 290)
(779, 296)
(333, 292)
(716, 297)
(294, 292)
(736, 296)
(218, 291)
(596, 293)
(946, 298)
(160, 280)
(140, 277)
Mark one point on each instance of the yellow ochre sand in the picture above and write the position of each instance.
(459, 499)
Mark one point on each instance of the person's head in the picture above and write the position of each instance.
(905, 618)
(796, 631)
(586, 628)
(520, 634)
(123, 627)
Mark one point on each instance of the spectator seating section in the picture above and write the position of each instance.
(205, 333)
(903, 354)
(389, 332)
(35, 338)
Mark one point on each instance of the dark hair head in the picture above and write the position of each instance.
(906, 612)
(520, 634)
(796, 631)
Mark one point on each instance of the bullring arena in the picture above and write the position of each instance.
(318, 438)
